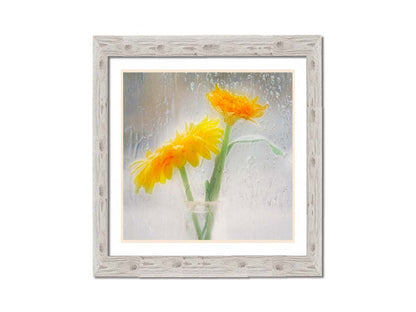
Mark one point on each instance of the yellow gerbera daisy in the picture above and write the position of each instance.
(196, 140)
(233, 106)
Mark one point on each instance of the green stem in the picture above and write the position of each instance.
(216, 177)
(213, 188)
(204, 229)
(191, 199)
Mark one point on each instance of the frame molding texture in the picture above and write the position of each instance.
(106, 47)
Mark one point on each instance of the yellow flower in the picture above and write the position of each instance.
(196, 140)
(233, 106)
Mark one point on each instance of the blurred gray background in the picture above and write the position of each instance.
(255, 202)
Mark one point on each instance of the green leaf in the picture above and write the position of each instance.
(254, 139)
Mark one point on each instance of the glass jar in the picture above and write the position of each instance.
(200, 219)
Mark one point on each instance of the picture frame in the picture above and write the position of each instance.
(106, 48)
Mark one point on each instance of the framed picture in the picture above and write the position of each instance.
(208, 156)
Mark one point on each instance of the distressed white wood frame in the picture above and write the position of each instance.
(106, 47)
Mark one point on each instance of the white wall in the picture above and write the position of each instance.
(46, 155)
